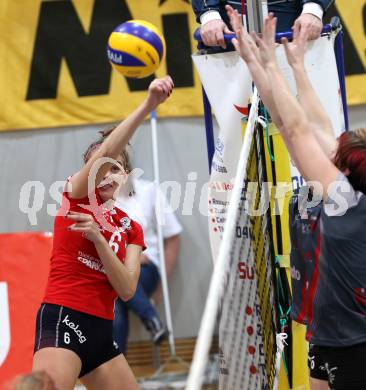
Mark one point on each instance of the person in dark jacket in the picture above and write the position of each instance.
(305, 13)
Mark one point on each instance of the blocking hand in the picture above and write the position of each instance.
(267, 44)
(243, 43)
(295, 50)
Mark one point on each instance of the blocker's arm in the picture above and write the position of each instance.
(297, 131)
(309, 100)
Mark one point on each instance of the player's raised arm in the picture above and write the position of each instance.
(159, 90)
(246, 47)
(309, 100)
(297, 130)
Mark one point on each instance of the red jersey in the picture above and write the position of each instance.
(77, 277)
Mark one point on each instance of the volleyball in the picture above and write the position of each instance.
(136, 48)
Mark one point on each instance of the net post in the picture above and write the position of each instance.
(257, 10)
(158, 211)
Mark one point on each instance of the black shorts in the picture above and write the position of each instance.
(345, 366)
(90, 337)
(316, 364)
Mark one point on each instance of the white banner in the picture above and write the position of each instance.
(228, 85)
(227, 82)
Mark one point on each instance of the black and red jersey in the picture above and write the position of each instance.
(304, 257)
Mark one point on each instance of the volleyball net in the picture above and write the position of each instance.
(241, 292)
(247, 325)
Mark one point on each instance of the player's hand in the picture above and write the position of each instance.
(212, 33)
(311, 23)
(295, 50)
(243, 43)
(267, 44)
(159, 90)
(85, 224)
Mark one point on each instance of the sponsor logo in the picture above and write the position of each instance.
(115, 57)
(218, 168)
(219, 147)
(311, 362)
(295, 274)
(222, 363)
(75, 328)
(245, 271)
(360, 294)
(331, 374)
(308, 256)
(91, 262)
(125, 223)
(305, 228)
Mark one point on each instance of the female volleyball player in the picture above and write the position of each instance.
(96, 256)
(336, 169)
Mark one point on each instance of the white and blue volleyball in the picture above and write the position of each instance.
(136, 48)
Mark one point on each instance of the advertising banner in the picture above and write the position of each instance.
(24, 264)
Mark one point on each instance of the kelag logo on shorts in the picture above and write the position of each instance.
(75, 328)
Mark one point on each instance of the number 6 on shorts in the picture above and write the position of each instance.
(67, 338)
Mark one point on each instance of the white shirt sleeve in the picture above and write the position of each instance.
(312, 8)
(209, 15)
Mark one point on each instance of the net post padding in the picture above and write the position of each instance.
(206, 331)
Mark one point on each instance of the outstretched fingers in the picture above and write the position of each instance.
(295, 50)
(269, 29)
(242, 40)
(234, 18)
(296, 31)
(253, 44)
(258, 41)
(286, 44)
